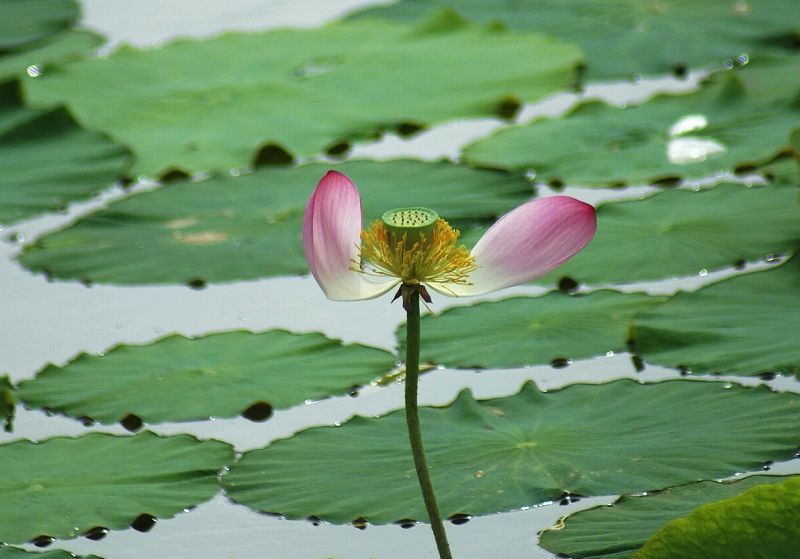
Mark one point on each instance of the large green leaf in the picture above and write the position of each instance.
(238, 228)
(628, 37)
(28, 21)
(220, 375)
(620, 529)
(201, 105)
(681, 233)
(48, 160)
(62, 487)
(742, 326)
(759, 524)
(669, 138)
(530, 330)
(523, 450)
(8, 552)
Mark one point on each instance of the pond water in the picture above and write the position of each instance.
(50, 322)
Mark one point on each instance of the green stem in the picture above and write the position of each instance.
(414, 430)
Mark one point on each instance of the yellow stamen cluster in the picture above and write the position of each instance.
(437, 260)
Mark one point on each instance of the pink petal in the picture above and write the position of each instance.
(332, 240)
(529, 242)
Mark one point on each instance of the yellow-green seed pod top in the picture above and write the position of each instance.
(411, 222)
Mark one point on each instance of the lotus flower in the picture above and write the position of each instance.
(414, 248)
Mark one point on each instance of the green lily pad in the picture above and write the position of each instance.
(520, 331)
(32, 60)
(49, 161)
(627, 37)
(239, 228)
(28, 21)
(760, 523)
(679, 233)
(209, 105)
(745, 325)
(9, 552)
(669, 138)
(505, 453)
(619, 530)
(62, 487)
(220, 375)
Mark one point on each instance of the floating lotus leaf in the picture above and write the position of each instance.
(505, 453)
(744, 325)
(209, 105)
(760, 523)
(667, 139)
(26, 21)
(627, 37)
(48, 160)
(619, 530)
(679, 233)
(520, 331)
(33, 59)
(220, 375)
(9, 552)
(62, 487)
(239, 228)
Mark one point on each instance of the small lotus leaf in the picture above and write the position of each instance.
(617, 531)
(210, 105)
(48, 160)
(62, 487)
(667, 139)
(628, 37)
(219, 375)
(761, 523)
(680, 233)
(745, 325)
(520, 331)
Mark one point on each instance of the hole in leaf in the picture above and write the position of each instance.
(680, 71)
(568, 285)
(272, 155)
(173, 174)
(360, 523)
(406, 523)
(739, 264)
(744, 169)
(144, 522)
(42, 541)
(131, 422)
(258, 411)
(95, 534)
(460, 518)
(767, 375)
(354, 390)
(669, 181)
(556, 184)
(509, 107)
(407, 129)
(196, 283)
(560, 362)
(338, 149)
